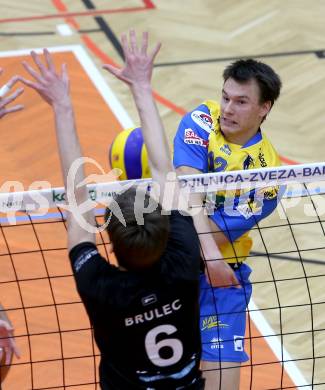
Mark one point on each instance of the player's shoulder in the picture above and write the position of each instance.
(203, 118)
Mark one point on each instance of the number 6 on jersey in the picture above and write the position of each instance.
(153, 347)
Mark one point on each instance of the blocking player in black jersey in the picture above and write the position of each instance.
(144, 312)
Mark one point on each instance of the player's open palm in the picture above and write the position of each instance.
(138, 62)
(53, 87)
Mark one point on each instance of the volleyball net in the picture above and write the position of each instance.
(285, 335)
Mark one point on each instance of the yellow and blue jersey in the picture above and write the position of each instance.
(199, 143)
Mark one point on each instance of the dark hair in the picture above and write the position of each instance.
(268, 81)
(137, 246)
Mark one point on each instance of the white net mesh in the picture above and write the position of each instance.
(285, 334)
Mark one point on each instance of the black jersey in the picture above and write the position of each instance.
(146, 324)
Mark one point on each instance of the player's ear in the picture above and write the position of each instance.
(265, 108)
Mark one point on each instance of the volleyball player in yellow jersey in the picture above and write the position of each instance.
(217, 138)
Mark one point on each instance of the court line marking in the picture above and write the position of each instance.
(279, 350)
(102, 86)
(64, 29)
(92, 72)
(148, 5)
(125, 121)
(104, 57)
(106, 29)
(26, 52)
(320, 53)
(251, 25)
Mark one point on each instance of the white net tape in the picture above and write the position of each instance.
(244, 179)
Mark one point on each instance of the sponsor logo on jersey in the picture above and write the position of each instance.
(245, 210)
(239, 343)
(270, 192)
(248, 162)
(261, 157)
(226, 149)
(149, 300)
(212, 322)
(203, 120)
(83, 258)
(216, 343)
(250, 208)
(193, 139)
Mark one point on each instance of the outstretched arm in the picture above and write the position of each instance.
(218, 271)
(5, 100)
(137, 72)
(53, 87)
(7, 341)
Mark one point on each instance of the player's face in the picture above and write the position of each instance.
(241, 110)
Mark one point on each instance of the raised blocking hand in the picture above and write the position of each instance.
(52, 86)
(138, 62)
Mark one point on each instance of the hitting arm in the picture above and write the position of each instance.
(219, 273)
(137, 72)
